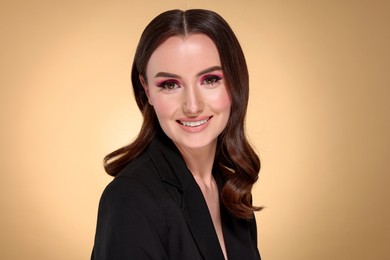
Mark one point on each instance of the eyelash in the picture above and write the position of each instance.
(168, 84)
(214, 80)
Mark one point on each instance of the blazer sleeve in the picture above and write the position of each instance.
(130, 223)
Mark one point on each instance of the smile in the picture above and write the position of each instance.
(194, 123)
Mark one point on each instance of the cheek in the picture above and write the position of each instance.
(164, 108)
(221, 102)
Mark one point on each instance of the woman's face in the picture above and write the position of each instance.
(187, 89)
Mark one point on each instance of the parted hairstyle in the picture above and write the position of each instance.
(235, 158)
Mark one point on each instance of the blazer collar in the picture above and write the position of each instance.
(169, 162)
(173, 171)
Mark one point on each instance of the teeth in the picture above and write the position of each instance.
(194, 123)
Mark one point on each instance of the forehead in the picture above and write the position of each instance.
(194, 52)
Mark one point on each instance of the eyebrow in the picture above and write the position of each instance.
(171, 75)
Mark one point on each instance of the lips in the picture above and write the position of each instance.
(194, 123)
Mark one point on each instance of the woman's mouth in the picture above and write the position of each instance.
(194, 123)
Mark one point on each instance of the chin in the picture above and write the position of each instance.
(195, 144)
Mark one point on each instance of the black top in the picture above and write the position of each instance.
(154, 209)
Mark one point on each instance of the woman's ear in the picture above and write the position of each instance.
(145, 86)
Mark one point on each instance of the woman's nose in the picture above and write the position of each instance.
(193, 102)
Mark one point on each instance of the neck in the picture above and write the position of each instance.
(200, 161)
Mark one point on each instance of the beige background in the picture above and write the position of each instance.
(319, 117)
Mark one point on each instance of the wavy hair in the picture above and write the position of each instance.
(235, 157)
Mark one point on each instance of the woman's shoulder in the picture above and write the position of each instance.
(138, 177)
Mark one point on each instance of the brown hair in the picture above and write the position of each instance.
(235, 157)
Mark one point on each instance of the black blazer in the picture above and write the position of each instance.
(154, 209)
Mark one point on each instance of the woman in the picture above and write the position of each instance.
(183, 188)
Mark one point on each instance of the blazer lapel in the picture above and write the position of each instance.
(199, 220)
(240, 236)
(174, 171)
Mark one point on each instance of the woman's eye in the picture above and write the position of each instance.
(168, 85)
(211, 80)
